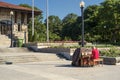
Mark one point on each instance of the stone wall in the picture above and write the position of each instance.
(4, 14)
(66, 52)
(64, 44)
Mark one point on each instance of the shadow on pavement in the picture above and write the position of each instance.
(68, 65)
(73, 66)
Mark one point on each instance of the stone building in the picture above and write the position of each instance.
(15, 22)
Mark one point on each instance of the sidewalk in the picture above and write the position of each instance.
(58, 70)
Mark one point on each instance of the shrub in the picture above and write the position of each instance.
(112, 52)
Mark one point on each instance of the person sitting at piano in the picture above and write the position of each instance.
(95, 53)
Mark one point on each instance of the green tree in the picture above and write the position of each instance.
(92, 28)
(39, 27)
(55, 27)
(110, 17)
(70, 29)
(28, 6)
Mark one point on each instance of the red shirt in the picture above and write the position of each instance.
(95, 54)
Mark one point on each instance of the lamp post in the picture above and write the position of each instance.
(82, 4)
(11, 15)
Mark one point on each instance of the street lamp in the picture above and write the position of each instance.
(82, 5)
(11, 15)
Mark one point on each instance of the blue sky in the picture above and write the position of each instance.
(57, 7)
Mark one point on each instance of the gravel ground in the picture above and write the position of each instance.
(58, 70)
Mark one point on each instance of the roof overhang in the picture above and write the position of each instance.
(16, 7)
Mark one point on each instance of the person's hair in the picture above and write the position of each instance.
(93, 47)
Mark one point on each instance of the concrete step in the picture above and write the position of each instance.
(4, 41)
(20, 59)
(24, 55)
(1, 60)
(14, 50)
(36, 57)
(4, 36)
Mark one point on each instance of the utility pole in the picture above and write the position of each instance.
(32, 17)
(47, 21)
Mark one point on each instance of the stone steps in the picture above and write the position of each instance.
(1, 60)
(35, 57)
(23, 55)
(14, 50)
(4, 41)
(20, 59)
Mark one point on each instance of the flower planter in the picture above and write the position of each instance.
(111, 60)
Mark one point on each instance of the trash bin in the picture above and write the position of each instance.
(15, 43)
(19, 42)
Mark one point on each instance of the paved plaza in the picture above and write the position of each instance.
(58, 70)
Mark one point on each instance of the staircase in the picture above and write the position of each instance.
(4, 41)
(30, 57)
(22, 55)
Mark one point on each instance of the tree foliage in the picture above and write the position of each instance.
(110, 17)
(39, 27)
(102, 24)
(28, 6)
(91, 23)
(55, 27)
(70, 28)
(39, 30)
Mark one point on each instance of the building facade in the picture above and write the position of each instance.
(18, 21)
